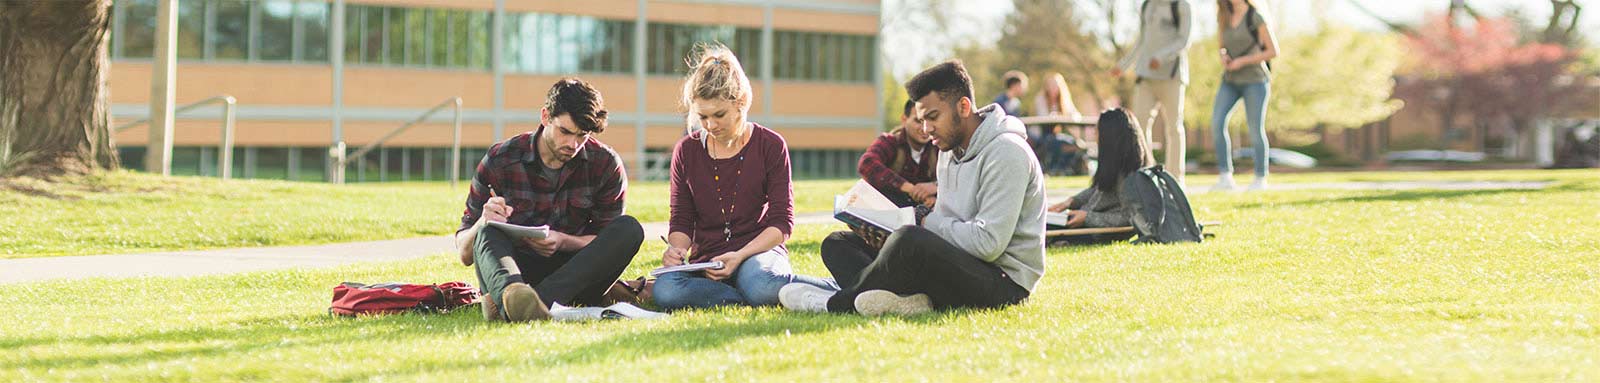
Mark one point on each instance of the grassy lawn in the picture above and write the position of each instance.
(1480, 285)
(127, 212)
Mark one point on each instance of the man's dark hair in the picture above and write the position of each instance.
(949, 79)
(579, 100)
(1012, 78)
(909, 104)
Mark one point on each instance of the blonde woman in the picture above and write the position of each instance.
(1055, 99)
(1247, 44)
(1058, 152)
(731, 196)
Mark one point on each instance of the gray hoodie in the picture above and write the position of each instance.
(1163, 39)
(991, 199)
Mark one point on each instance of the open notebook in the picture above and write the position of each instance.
(712, 265)
(519, 231)
(864, 207)
(622, 310)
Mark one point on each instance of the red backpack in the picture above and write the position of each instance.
(351, 299)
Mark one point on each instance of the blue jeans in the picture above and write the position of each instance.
(1255, 112)
(755, 283)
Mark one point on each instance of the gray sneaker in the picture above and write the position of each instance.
(804, 297)
(880, 302)
(522, 304)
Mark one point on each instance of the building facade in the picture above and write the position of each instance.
(308, 74)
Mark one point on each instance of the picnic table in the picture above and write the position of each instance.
(1090, 149)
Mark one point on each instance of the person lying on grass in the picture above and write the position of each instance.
(731, 197)
(561, 176)
(1123, 151)
(983, 244)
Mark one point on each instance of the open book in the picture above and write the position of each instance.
(713, 265)
(864, 207)
(622, 310)
(519, 231)
(1055, 219)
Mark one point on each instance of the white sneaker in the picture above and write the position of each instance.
(1224, 184)
(805, 298)
(1259, 184)
(880, 302)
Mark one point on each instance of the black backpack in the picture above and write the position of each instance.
(1161, 210)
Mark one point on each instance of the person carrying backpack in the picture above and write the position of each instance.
(1247, 46)
(1123, 151)
(1159, 60)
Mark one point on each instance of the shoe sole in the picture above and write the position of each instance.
(522, 304)
(789, 293)
(881, 302)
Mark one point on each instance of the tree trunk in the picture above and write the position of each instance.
(54, 105)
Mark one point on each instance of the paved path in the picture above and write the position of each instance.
(224, 261)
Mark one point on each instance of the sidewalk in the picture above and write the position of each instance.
(227, 261)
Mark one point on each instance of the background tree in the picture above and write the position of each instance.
(1334, 77)
(54, 107)
(1486, 72)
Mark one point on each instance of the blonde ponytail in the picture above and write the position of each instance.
(715, 74)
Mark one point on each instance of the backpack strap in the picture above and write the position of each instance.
(1176, 24)
(1255, 36)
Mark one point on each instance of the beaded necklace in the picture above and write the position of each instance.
(732, 184)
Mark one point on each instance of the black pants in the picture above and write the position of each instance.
(572, 278)
(915, 260)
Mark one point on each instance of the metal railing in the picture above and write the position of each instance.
(224, 149)
(341, 160)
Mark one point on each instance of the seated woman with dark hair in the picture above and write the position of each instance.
(1123, 151)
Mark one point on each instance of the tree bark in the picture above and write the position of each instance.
(54, 103)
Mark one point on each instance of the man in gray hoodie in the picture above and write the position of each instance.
(1160, 60)
(983, 244)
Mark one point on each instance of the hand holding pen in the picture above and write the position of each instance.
(495, 209)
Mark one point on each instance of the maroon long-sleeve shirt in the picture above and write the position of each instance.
(889, 163)
(724, 203)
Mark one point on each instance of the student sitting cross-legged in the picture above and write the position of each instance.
(731, 197)
(1123, 151)
(900, 165)
(560, 176)
(983, 245)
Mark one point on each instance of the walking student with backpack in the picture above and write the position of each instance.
(1247, 45)
(1159, 60)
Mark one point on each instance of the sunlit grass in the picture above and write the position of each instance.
(1479, 285)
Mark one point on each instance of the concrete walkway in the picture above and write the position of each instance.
(224, 261)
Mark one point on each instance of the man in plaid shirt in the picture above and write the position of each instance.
(560, 176)
(900, 165)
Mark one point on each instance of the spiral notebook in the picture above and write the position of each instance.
(713, 265)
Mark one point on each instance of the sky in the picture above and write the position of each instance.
(987, 15)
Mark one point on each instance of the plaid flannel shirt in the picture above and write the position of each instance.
(586, 196)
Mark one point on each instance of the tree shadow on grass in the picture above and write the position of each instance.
(1418, 195)
(634, 346)
(240, 337)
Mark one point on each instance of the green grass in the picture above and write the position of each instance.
(128, 212)
(1481, 285)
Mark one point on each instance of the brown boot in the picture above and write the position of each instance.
(491, 311)
(522, 304)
